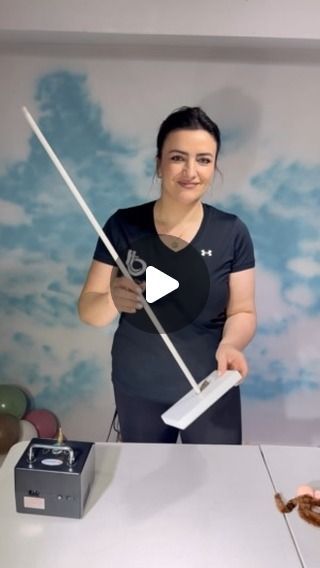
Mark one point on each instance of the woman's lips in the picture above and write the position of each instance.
(188, 185)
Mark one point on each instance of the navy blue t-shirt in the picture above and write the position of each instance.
(141, 362)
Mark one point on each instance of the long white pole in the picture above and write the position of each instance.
(109, 245)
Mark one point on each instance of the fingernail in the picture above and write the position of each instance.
(305, 490)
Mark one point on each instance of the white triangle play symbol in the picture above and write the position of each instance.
(158, 284)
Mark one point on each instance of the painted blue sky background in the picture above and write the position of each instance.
(46, 247)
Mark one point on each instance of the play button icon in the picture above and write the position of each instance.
(158, 284)
(175, 282)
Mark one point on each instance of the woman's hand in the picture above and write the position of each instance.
(240, 324)
(230, 358)
(126, 294)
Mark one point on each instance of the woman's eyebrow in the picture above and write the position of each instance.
(186, 153)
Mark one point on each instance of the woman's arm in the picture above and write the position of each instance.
(97, 305)
(240, 325)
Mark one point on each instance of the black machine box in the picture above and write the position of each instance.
(54, 479)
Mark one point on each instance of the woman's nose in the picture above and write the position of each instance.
(189, 168)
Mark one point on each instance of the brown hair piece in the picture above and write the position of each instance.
(308, 507)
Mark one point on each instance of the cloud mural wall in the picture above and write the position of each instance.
(102, 124)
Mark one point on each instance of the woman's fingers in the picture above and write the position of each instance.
(126, 295)
(230, 358)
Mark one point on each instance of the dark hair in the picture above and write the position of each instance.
(187, 118)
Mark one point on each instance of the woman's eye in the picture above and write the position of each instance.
(203, 161)
(176, 158)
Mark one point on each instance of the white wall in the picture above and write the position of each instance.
(212, 18)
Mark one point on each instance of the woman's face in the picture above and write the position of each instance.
(187, 164)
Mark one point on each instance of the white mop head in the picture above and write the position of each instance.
(192, 405)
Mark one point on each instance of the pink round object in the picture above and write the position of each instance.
(305, 490)
(45, 422)
(317, 494)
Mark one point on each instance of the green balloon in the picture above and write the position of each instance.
(9, 432)
(12, 401)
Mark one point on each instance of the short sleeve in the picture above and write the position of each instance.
(111, 229)
(243, 256)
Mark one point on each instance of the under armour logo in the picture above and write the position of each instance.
(136, 266)
(206, 252)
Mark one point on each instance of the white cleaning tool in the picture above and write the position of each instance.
(202, 396)
(192, 405)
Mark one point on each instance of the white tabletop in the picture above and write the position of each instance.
(289, 468)
(157, 506)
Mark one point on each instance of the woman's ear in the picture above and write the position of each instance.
(158, 169)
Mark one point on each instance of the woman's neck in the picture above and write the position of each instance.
(170, 213)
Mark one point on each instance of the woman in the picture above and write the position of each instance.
(146, 379)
